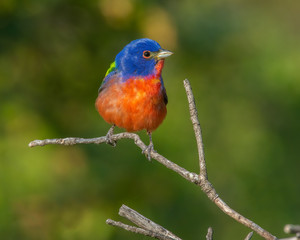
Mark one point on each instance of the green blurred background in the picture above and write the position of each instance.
(242, 59)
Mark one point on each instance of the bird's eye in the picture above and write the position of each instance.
(146, 54)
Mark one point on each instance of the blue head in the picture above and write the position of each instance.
(139, 57)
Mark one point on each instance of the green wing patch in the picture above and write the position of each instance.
(112, 67)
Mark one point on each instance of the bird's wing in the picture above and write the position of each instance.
(164, 92)
(165, 96)
(108, 81)
(112, 67)
(110, 76)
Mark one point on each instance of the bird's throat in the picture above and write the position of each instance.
(159, 66)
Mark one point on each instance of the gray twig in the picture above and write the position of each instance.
(136, 230)
(192, 177)
(196, 126)
(297, 237)
(131, 228)
(201, 180)
(144, 222)
(205, 185)
(249, 236)
(209, 235)
(146, 226)
(290, 228)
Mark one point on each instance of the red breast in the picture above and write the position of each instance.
(135, 104)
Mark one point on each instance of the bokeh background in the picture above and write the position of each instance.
(242, 59)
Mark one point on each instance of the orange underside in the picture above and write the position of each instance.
(134, 105)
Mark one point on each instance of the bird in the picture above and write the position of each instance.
(132, 94)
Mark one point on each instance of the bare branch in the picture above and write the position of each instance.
(67, 141)
(201, 180)
(144, 222)
(136, 230)
(205, 185)
(241, 219)
(196, 126)
(297, 237)
(249, 236)
(290, 228)
(147, 227)
(209, 235)
(192, 177)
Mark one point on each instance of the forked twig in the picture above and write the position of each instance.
(199, 179)
(205, 185)
(134, 229)
(146, 226)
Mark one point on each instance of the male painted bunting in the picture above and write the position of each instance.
(132, 94)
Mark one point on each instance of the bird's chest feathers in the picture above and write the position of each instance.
(143, 90)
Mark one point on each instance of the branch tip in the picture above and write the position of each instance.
(290, 228)
(209, 235)
(249, 236)
(196, 126)
(145, 226)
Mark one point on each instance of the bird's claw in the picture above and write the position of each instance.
(108, 137)
(148, 150)
(109, 140)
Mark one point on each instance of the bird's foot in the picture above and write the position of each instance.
(110, 141)
(109, 135)
(148, 150)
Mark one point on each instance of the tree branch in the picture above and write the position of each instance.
(297, 237)
(249, 236)
(201, 180)
(147, 227)
(133, 229)
(196, 126)
(192, 177)
(290, 228)
(205, 185)
(209, 235)
(144, 222)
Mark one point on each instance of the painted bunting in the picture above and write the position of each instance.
(132, 94)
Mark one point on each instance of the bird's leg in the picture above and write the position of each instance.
(109, 135)
(147, 151)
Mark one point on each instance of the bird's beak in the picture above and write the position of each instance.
(162, 53)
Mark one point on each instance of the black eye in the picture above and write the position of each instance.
(146, 54)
